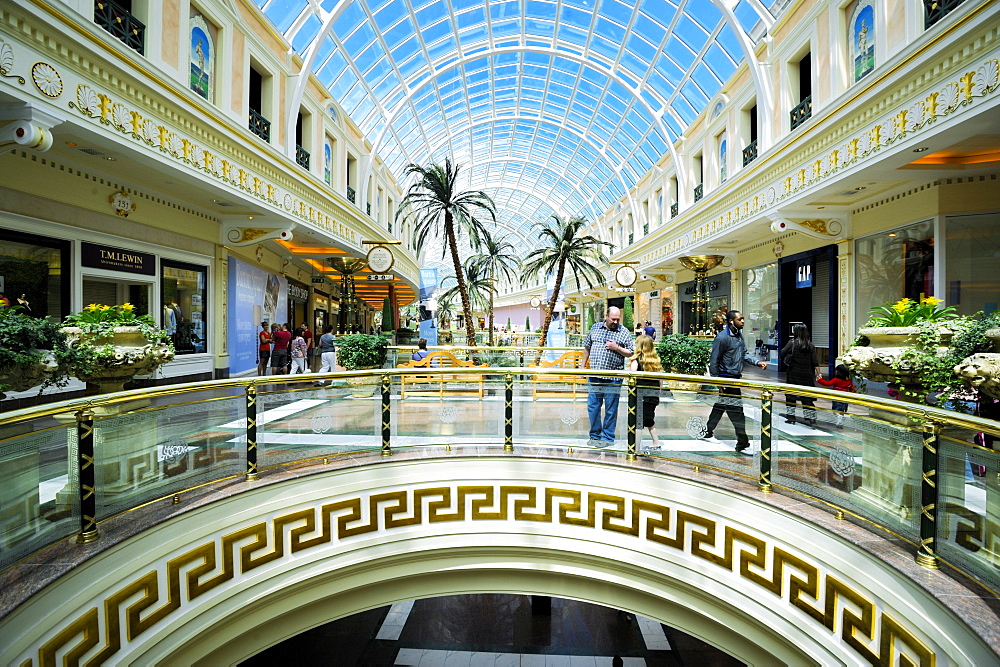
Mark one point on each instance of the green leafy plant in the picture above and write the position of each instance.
(907, 313)
(97, 320)
(27, 341)
(360, 351)
(628, 317)
(939, 348)
(682, 354)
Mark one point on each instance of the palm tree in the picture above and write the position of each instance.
(496, 260)
(559, 245)
(437, 206)
(480, 289)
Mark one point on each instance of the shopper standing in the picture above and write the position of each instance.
(606, 347)
(802, 368)
(279, 355)
(646, 359)
(263, 348)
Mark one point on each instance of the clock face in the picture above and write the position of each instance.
(626, 276)
(380, 259)
(535, 302)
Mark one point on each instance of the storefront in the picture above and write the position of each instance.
(718, 302)
(298, 302)
(50, 269)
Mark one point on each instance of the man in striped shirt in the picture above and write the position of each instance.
(606, 347)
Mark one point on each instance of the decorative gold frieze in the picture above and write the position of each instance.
(851, 615)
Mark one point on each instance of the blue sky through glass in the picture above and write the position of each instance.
(555, 106)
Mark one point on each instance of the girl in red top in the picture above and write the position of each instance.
(263, 349)
(841, 381)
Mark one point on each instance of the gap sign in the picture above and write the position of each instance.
(804, 273)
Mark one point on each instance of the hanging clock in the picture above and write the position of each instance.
(535, 302)
(626, 276)
(380, 259)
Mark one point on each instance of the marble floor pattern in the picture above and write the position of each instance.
(494, 629)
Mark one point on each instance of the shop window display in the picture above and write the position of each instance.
(760, 308)
(894, 264)
(183, 311)
(33, 275)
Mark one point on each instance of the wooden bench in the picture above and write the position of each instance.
(441, 359)
(557, 386)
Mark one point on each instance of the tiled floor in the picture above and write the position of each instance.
(493, 629)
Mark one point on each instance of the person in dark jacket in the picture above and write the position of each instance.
(729, 353)
(802, 368)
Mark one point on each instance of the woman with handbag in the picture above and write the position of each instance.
(802, 368)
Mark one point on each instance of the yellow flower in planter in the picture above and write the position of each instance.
(907, 313)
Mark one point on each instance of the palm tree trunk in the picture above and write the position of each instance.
(552, 306)
(492, 283)
(449, 232)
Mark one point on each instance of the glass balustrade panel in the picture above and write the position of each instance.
(443, 409)
(155, 450)
(968, 517)
(551, 410)
(39, 499)
(865, 461)
(682, 418)
(298, 421)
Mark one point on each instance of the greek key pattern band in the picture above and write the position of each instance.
(836, 607)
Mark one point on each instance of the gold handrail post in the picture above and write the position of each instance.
(766, 406)
(508, 413)
(929, 496)
(86, 471)
(386, 416)
(251, 406)
(631, 418)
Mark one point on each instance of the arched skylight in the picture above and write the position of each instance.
(561, 106)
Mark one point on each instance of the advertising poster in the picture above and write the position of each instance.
(255, 296)
(428, 293)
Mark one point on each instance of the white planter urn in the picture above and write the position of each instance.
(22, 377)
(982, 370)
(882, 360)
(132, 354)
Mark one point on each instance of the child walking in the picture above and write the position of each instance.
(841, 381)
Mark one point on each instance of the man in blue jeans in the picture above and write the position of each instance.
(729, 353)
(606, 346)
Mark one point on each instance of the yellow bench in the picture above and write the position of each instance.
(440, 359)
(557, 386)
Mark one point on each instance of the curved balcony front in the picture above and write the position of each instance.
(202, 523)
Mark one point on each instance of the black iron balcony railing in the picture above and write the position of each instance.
(645, 228)
(699, 191)
(368, 208)
(301, 157)
(750, 153)
(935, 10)
(802, 112)
(119, 22)
(631, 238)
(351, 194)
(260, 126)
(674, 210)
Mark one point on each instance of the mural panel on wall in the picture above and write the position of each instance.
(862, 32)
(202, 56)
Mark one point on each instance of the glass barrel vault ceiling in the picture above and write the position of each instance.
(550, 106)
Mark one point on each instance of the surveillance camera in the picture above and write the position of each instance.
(779, 226)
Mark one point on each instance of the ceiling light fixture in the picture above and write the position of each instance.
(110, 159)
(71, 143)
(922, 149)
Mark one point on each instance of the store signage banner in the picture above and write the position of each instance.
(96, 256)
(428, 291)
(255, 296)
(804, 273)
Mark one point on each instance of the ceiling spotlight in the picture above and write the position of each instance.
(71, 143)
(109, 158)
(249, 217)
(892, 235)
(922, 149)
